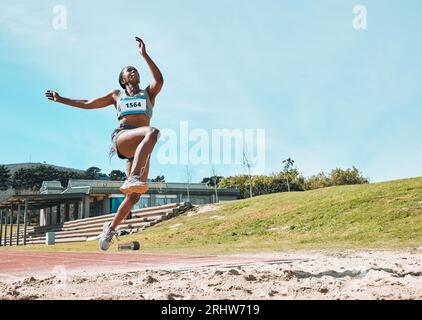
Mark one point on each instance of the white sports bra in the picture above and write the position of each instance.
(137, 104)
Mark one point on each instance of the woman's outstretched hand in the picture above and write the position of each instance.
(141, 46)
(52, 95)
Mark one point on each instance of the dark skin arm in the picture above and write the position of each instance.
(101, 102)
(157, 82)
(110, 99)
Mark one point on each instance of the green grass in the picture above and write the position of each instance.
(380, 215)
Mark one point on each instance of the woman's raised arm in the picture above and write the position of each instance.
(157, 78)
(97, 103)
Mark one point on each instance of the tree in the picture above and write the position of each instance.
(32, 178)
(346, 177)
(337, 177)
(278, 183)
(117, 175)
(212, 181)
(92, 173)
(240, 182)
(5, 181)
(289, 180)
(262, 185)
(288, 165)
(247, 164)
(317, 181)
(65, 176)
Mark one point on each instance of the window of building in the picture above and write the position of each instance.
(161, 200)
(115, 203)
(142, 203)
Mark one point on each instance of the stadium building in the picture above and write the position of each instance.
(90, 198)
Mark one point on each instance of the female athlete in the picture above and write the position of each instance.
(134, 139)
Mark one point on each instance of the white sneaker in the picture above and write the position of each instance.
(134, 185)
(106, 237)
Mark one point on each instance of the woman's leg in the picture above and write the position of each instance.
(138, 144)
(127, 204)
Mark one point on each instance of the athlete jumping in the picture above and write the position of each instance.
(134, 139)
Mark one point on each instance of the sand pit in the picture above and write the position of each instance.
(298, 275)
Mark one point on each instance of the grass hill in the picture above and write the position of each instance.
(378, 215)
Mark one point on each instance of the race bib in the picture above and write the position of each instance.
(132, 105)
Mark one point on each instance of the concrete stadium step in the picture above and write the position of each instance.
(59, 240)
(166, 206)
(14, 236)
(85, 235)
(91, 231)
(71, 240)
(97, 226)
(45, 229)
(151, 214)
(102, 219)
(95, 230)
(143, 211)
(81, 230)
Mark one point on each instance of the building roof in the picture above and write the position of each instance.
(38, 201)
(108, 187)
(116, 184)
(52, 193)
(49, 187)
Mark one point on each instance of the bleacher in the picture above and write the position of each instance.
(83, 229)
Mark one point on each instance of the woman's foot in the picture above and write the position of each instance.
(134, 185)
(106, 237)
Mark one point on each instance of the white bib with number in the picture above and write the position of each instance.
(138, 104)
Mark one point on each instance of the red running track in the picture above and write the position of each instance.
(15, 263)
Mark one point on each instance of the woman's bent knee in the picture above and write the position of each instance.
(154, 133)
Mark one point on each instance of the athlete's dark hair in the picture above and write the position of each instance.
(121, 76)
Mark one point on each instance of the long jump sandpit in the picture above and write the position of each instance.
(277, 275)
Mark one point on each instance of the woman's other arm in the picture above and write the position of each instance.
(96, 103)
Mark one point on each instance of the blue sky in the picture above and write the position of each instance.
(326, 94)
